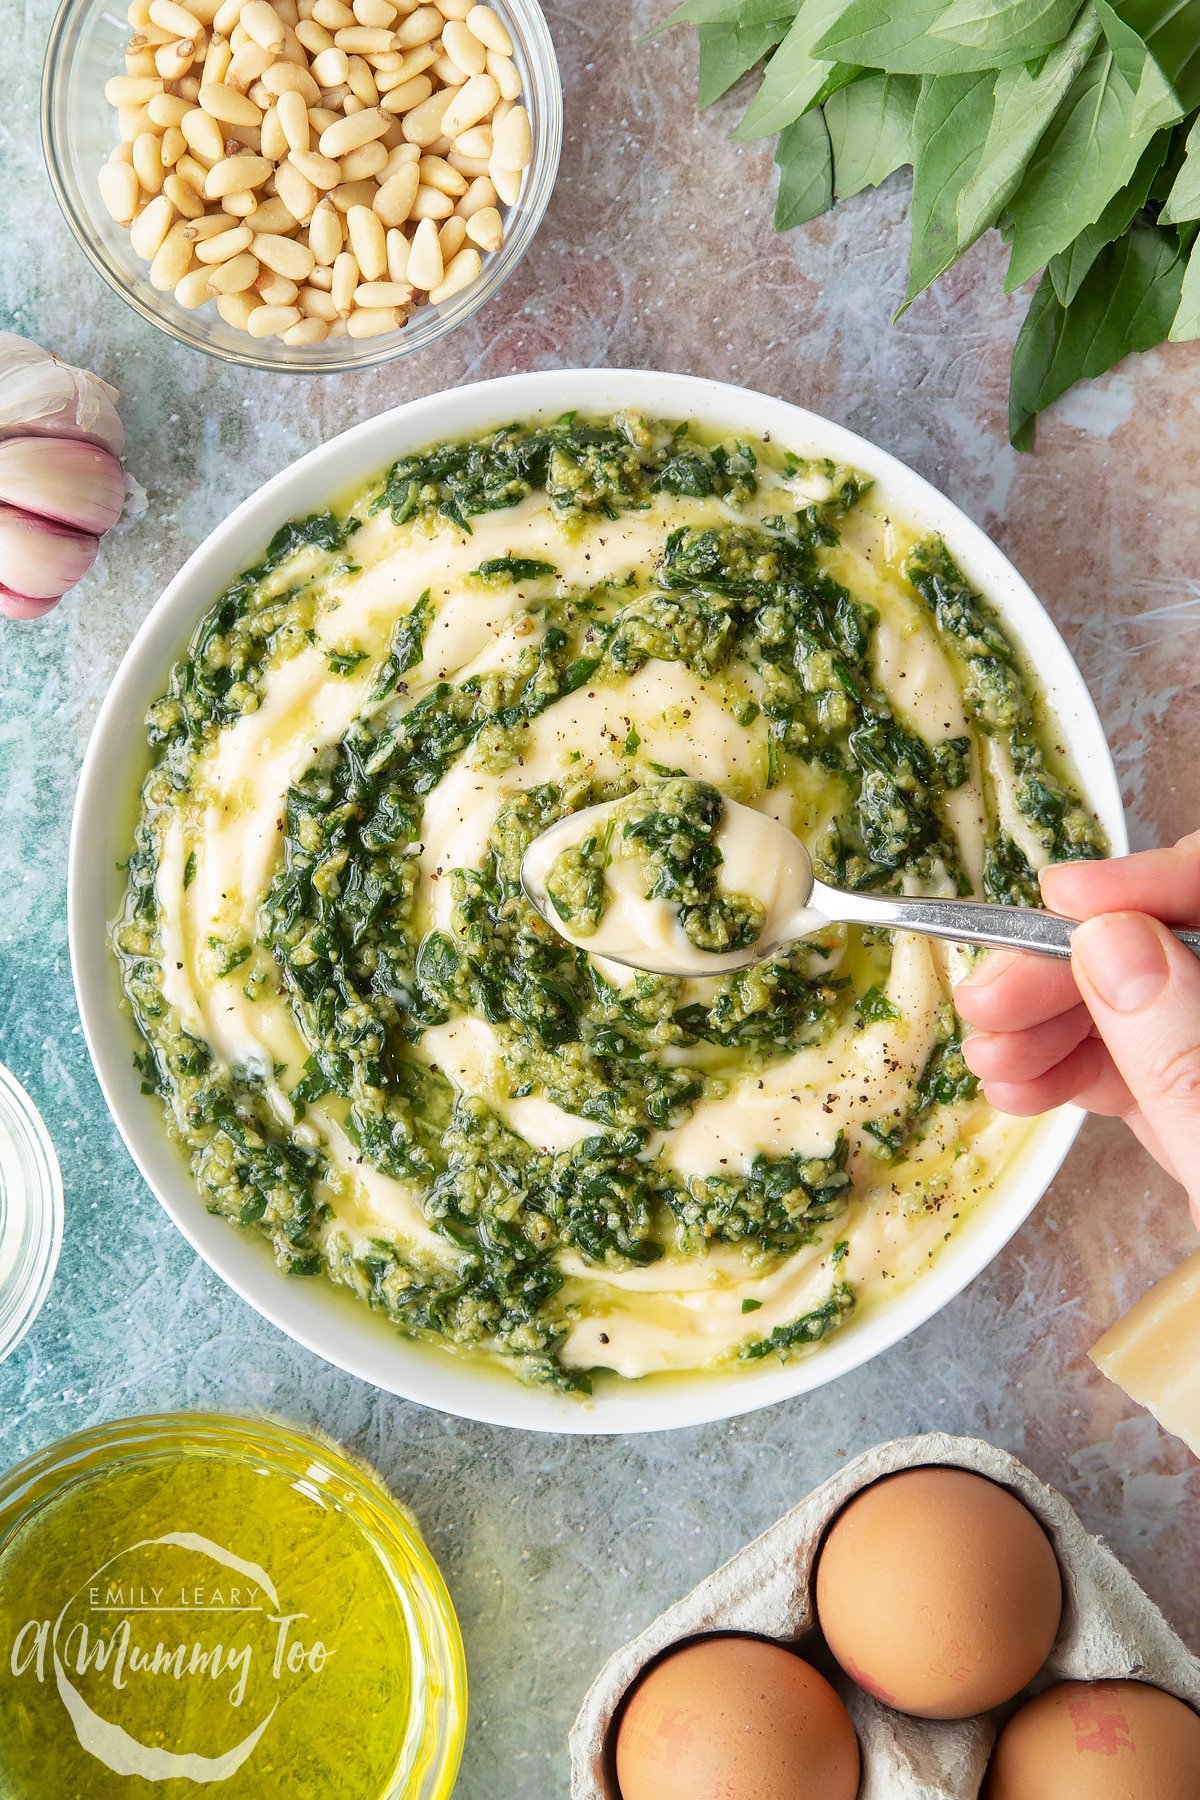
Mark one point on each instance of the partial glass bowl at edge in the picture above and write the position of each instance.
(31, 1212)
(79, 129)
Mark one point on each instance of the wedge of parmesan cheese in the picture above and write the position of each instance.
(1153, 1353)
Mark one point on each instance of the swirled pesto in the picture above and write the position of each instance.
(377, 1055)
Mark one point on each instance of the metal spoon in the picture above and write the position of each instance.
(800, 905)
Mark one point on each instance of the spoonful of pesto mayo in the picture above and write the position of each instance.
(675, 879)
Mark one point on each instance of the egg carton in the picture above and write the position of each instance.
(1110, 1628)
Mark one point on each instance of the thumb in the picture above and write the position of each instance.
(1142, 988)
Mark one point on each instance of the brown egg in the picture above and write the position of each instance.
(938, 1592)
(1098, 1740)
(733, 1718)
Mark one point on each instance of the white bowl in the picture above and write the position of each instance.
(314, 1312)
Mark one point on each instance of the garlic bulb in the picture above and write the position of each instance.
(61, 485)
(38, 393)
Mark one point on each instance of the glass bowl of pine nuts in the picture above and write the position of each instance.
(303, 185)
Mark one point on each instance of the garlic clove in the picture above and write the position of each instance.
(39, 558)
(62, 479)
(20, 606)
(39, 393)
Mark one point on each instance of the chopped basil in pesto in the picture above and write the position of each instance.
(378, 1057)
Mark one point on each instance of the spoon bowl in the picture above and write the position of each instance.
(769, 861)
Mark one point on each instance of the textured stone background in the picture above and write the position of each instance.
(656, 253)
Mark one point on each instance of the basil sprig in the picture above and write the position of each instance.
(1072, 127)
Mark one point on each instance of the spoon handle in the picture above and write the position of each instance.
(966, 921)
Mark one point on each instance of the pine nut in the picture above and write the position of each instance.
(241, 205)
(472, 102)
(247, 63)
(321, 171)
(224, 245)
(410, 93)
(202, 135)
(372, 322)
(132, 90)
(489, 29)
(288, 78)
(147, 160)
(217, 59)
(192, 171)
(333, 15)
(362, 39)
(480, 195)
(354, 193)
(119, 191)
(431, 203)
(201, 231)
(270, 321)
(368, 242)
(455, 9)
(285, 255)
(174, 18)
(234, 174)
(345, 280)
(293, 119)
(485, 228)
(507, 182)
(394, 201)
(189, 88)
(229, 105)
(452, 235)
(385, 62)
(174, 60)
(513, 140)
(314, 37)
(273, 215)
(463, 270)
(417, 61)
(140, 62)
(131, 120)
(325, 236)
(425, 269)
(192, 290)
(183, 198)
(365, 162)
(305, 331)
(420, 27)
(168, 110)
(476, 142)
(464, 48)
(235, 309)
(317, 304)
(151, 226)
(226, 17)
(236, 275)
(382, 293)
(503, 71)
(435, 172)
(298, 194)
(349, 133)
(374, 12)
(397, 255)
(330, 67)
(423, 125)
(362, 81)
(276, 290)
(172, 259)
(263, 24)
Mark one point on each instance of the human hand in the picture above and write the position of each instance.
(1118, 1028)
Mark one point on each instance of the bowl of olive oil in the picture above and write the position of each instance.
(190, 1600)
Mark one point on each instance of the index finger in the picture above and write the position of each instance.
(1009, 992)
(1162, 883)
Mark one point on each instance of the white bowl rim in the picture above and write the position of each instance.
(311, 1312)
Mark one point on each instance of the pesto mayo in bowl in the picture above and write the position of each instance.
(478, 1153)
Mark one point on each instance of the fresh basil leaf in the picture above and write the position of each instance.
(1036, 25)
(728, 51)
(901, 40)
(1183, 201)
(1127, 301)
(870, 129)
(1069, 267)
(1186, 323)
(1089, 151)
(805, 172)
(727, 12)
(950, 128)
(1170, 30)
(794, 76)
(1026, 101)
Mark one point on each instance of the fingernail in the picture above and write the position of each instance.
(993, 965)
(1122, 957)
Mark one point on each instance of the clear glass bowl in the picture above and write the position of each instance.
(79, 129)
(31, 1212)
(211, 1532)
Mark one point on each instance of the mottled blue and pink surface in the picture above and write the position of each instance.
(656, 252)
